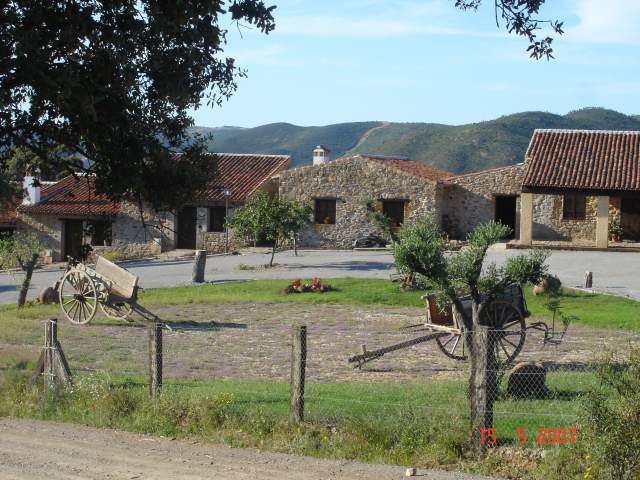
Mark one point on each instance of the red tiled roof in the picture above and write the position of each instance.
(8, 214)
(243, 174)
(412, 167)
(583, 159)
(72, 196)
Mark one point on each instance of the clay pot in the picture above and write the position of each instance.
(541, 287)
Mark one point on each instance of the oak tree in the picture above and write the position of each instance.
(106, 87)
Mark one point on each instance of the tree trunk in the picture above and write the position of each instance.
(28, 269)
(295, 245)
(273, 253)
(483, 382)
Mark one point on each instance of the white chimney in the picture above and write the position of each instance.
(321, 155)
(31, 190)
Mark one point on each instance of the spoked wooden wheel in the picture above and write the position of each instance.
(116, 311)
(453, 345)
(509, 326)
(78, 297)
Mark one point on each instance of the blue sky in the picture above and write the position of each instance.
(424, 61)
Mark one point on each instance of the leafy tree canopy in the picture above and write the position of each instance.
(422, 250)
(112, 82)
(271, 219)
(521, 17)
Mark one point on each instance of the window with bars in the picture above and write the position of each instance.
(574, 207)
(325, 211)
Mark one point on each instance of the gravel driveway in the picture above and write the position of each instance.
(614, 272)
(32, 450)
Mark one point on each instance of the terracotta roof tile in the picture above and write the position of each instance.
(8, 214)
(74, 196)
(583, 159)
(412, 167)
(242, 174)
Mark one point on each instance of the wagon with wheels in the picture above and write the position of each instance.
(506, 315)
(113, 289)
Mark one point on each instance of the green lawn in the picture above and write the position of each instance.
(594, 310)
(423, 424)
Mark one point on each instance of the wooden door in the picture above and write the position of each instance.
(630, 218)
(187, 225)
(73, 234)
(506, 212)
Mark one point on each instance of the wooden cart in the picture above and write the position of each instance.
(506, 316)
(114, 289)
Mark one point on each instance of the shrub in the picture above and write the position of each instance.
(612, 420)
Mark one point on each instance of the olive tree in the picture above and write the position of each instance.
(21, 251)
(272, 219)
(422, 250)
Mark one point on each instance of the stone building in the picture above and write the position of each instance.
(582, 187)
(69, 214)
(477, 197)
(404, 189)
(202, 224)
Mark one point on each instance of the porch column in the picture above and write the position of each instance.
(602, 222)
(526, 218)
(202, 225)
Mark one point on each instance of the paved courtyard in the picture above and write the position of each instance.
(614, 272)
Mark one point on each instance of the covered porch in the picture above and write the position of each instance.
(573, 219)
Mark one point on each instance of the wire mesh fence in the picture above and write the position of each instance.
(417, 391)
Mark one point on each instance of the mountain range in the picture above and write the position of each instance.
(457, 148)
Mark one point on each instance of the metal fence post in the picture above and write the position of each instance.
(298, 365)
(155, 358)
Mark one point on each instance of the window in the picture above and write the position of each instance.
(394, 210)
(6, 232)
(574, 207)
(98, 232)
(325, 211)
(217, 217)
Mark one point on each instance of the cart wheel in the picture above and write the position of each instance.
(78, 297)
(453, 345)
(510, 327)
(116, 311)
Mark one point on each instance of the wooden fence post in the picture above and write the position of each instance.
(48, 369)
(52, 363)
(199, 263)
(155, 358)
(484, 387)
(298, 366)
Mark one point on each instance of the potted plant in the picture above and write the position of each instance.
(615, 230)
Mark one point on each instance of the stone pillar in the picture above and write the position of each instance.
(202, 225)
(602, 222)
(526, 218)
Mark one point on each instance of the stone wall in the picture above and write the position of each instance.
(48, 229)
(215, 242)
(549, 224)
(133, 239)
(469, 200)
(351, 181)
(129, 238)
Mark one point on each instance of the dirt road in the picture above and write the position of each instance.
(45, 450)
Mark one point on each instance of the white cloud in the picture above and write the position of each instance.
(372, 27)
(606, 21)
